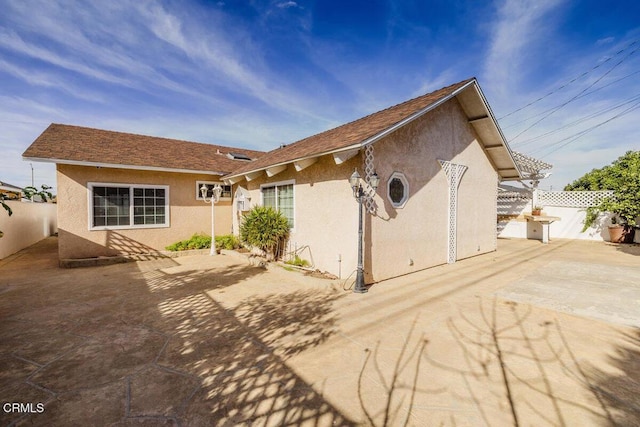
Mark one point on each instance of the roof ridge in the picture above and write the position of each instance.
(155, 137)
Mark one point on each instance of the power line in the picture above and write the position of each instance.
(578, 95)
(580, 120)
(577, 136)
(571, 81)
(581, 96)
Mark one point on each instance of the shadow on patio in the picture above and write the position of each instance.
(143, 342)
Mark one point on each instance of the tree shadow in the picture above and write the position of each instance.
(620, 391)
(530, 372)
(399, 391)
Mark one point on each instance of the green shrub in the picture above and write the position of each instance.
(228, 241)
(298, 262)
(265, 228)
(197, 241)
(623, 178)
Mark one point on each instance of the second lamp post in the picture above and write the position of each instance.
(216, 191)
(357, 185)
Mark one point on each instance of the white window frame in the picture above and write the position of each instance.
(131, 226)
(280, 184)
(405, 196)
(221, 184)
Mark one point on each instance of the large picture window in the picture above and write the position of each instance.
(280, 197)
(128, 206)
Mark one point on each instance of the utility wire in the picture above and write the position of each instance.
(577, 136)
(576, 96)
(581, 96)
(571, 81)
(582, 119)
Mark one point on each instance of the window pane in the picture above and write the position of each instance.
(138, 192)
(285, 202)
(396, 190)
(269, 197)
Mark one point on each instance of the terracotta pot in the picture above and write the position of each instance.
(621, 234)
(536, 212)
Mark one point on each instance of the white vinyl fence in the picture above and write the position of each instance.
(569, 206)
(30, 223)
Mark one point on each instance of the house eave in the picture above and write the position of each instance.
(122, 166)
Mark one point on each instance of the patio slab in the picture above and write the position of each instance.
(206, 341)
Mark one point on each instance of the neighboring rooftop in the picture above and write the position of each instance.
(68, 144)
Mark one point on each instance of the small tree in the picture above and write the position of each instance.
(266, 229)
(623, 178)
(44, 193)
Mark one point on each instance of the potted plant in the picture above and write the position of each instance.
(537, 210)
(620, 231)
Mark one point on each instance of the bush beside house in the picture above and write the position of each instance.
(623, 178)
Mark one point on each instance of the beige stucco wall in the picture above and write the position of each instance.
(187, 214)
(414, 237)
(30, 223)
(398, 240)
(326, 214)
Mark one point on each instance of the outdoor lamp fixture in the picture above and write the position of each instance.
(216, 191)
(357, 185)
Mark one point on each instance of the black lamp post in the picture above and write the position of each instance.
(358, 192)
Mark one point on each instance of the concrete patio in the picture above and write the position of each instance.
(532, 334)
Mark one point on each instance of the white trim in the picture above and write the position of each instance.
(199, 184)
(167, 206)
(405, 197)
(343, 156)
(274, 170)
(253, 175)
(305, 163)
(279, 184)
(118, 166)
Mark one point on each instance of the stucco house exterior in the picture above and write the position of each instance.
(120, 193)
(439, 158)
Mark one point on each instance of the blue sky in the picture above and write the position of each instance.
(260, 73)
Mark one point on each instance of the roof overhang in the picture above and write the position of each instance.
(120, 166)
(489, 134)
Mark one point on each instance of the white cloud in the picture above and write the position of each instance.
(287, 4)
(520, 25)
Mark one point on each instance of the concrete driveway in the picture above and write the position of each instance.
(200, 341)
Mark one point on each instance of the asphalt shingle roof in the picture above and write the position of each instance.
(75, 144)
(350, 133)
